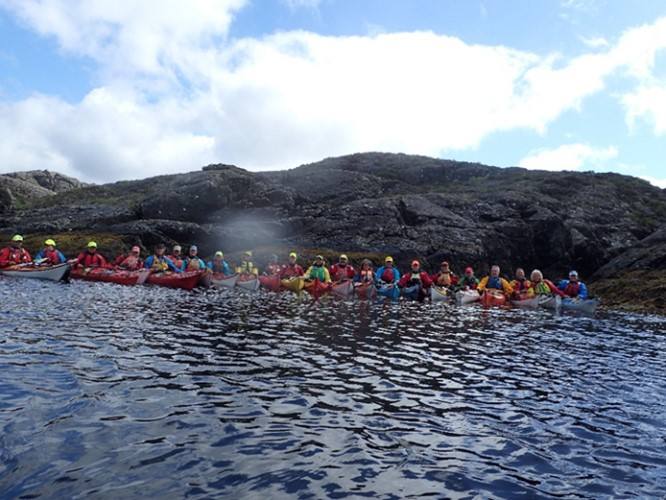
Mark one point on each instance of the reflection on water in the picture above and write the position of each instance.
(127, 391)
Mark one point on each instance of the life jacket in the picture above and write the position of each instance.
(340, 272)
(131, 263)
(245, 267)
(444, 278)
(317, 272)
(520, 285)
(367, 275)
(572, 289)
(219, 267)
(159, 264)
(470, 281)
(388, 276)
(494, 283)
(414, 278)
(17, 255)
(542, 288)
(291, 271)
(177, 261)
(52, 256)
(87, 259)
(273, 269)
(193, 264)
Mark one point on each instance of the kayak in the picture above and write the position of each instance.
(492, 297)
(467, 296)
(295, 284)
(316, 288)
(222, 280)
(411, 292)
(117, 276)
(550, 301)
(343, 289)
(588, 306)
(248, 282)
(390, 291)
(272, 283)
(185, 281)
(206, 279)
(527, 302)
(438, 294)
(366, 291)
(52, 273)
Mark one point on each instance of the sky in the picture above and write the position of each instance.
(107, 90)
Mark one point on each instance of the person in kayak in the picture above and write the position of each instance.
(542, 286)
(318, 271)
(468, 280)
(495, 282)
(573, 287)
(445, 277)
(49, 254)
(291, 269)
(219, 265)
(366, 274)
(90, 257)
(131, 262)
(387, 274)
(246, 266)
(177, 256)
(342, 271)
(522, 288)
(416, 276)
(158, 262)
(15, 253)
(273, 268)
(192, 262)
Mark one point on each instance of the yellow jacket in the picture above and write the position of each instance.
(318, 272)
(506, 286)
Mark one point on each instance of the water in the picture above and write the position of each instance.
(112, 392)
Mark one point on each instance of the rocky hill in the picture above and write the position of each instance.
(18, 189)
(376, 204)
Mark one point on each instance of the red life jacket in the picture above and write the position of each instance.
(291, 271)
(572, 289)
(520, 285)
(366, 275)
(87, 259)
(445, 278)
(177, 261)
(52, 256)
(11, 255)
(388, 275)
(273, 269)
(131, 263)
(339, 272)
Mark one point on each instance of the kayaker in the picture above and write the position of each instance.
(416, 276)
(468, 280)
(342, 271)
(246, 266)
(177, 256)
(495, 282)
(522, 288)
(49, 254)
(90, 257)
(219, 265)
(131, 262)
(291, 269)
(158, 262)
(318, 271)
(387, 274)
(445, 277)
(542, 286)
(273, 268)
(573, 287)
(15, 253)
(192, 262)
(366, 273)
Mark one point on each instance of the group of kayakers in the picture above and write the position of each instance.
(385, 275)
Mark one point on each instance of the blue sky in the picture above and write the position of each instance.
(112, 90)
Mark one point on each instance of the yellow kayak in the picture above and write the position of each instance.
(293, 284)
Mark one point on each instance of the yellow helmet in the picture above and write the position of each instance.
(92, 244)
(17, 237)
(50, 243)
(248, 253)
(293, 254)
(343, 257)
(388, 259)
(219, 253)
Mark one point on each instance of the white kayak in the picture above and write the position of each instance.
(467, 296)
(52, 273)
(439, 294)
(550, 301)
(221, 280)
(531, 302)
(343, 289)
(249, 284)
(588, 306)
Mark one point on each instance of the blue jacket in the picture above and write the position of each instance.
(166, 260)
(61, 257)
(226, 270)
(380, 271)
(582, 289)
(202, 264)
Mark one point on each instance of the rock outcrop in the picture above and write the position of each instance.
(18, 189)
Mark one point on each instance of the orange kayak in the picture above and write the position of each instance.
(316, 288)
(185, 281)
(493, 298)
(272, 283)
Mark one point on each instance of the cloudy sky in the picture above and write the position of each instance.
(118, 89)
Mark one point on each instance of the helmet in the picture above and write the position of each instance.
(416, 263)
(343, 257)
(573, 273)
(219, 253)
(469, 270)
(293, 254)
(92, 244)
(17, 237)
(388, 259)
(50, 243)
(136, 249)
(319, 257)
(248, 253)
(194, 247)
(445, 264)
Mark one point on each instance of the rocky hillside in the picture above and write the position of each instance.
(18, 189)
(408, 206)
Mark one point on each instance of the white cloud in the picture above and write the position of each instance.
(594, 42)
(568, 157)
(648, 103)
(660, 183)
(173, 93)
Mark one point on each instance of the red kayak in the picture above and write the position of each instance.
(118, 276)
(493, 298)
(366, 291)
(272, 283)
(316, 288)
(185, 281)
